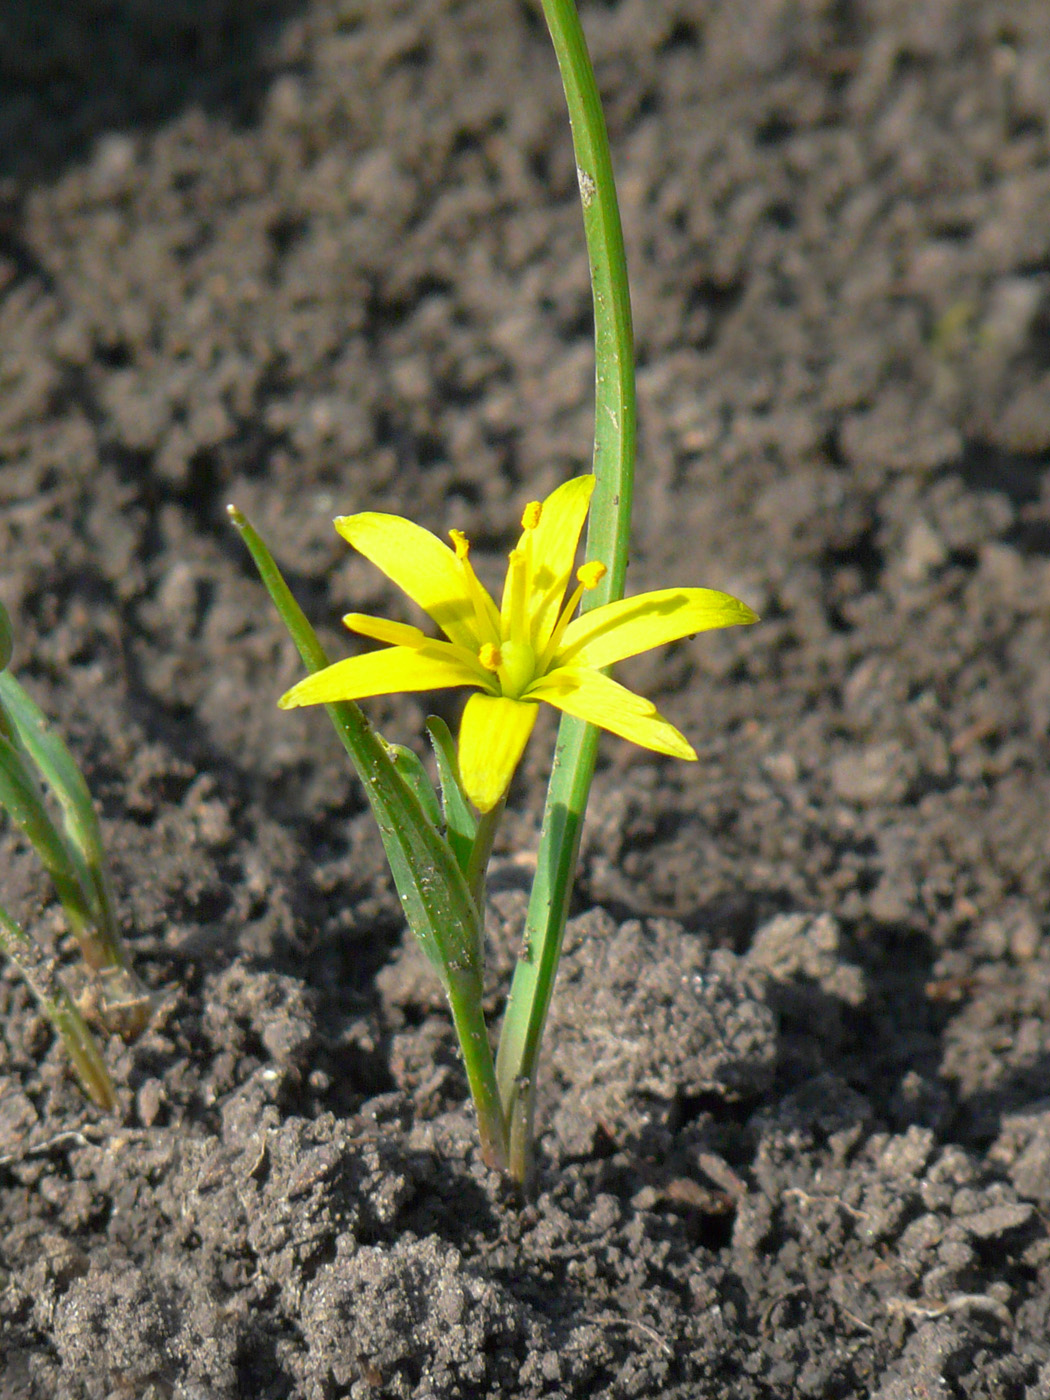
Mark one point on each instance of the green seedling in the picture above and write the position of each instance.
(528, 649)
(36, 771)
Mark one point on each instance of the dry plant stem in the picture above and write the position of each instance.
(607, 540)
(39, 971)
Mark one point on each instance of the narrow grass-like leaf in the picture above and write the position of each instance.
(607, 540)
(460, 823)
(21, 798)
(41, 975)
(59, 769)
(409, 764)
(6, 638)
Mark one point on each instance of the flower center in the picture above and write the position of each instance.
(517, 669)
(513, 662)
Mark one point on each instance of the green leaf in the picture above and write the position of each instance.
(460, 823)
(410, 766)
(6, 638)
(46, 747)
(607, 539)
(23, 801)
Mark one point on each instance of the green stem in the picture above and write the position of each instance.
(607, 540)
(480, 852)
(464, 991)
(41, 974)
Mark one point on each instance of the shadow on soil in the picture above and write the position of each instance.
(74, 70)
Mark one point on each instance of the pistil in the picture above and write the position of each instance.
(513, 615)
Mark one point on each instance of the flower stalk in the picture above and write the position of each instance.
(432, 887)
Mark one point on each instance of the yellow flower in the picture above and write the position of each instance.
(526, 650)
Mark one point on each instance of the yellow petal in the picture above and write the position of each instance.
(387, 672)
(625, 628)
(591, 696)
(381, 629)
(554, 543)
(421, 566)
(492, 737)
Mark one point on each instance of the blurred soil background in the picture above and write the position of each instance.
(319, 256)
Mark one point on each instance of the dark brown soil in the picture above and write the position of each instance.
(327, 256)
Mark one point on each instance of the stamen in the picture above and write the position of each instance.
(478, 596)
(530, 519)
(490, 657)
(589, 576)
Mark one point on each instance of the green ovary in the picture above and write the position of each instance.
(517, 668)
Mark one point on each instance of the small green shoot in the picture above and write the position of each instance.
(35, 766)
(41, 975)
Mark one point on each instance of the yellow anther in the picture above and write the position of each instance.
(490, 657)
(591, 575)
(588, 576)
(460, 543)
(531, 516)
